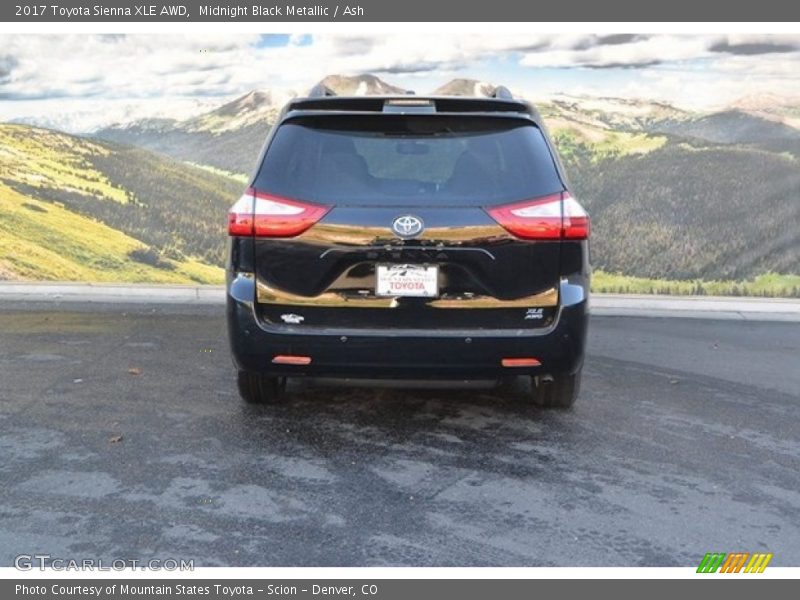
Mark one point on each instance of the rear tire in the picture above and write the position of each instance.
(257, 388)
(560, 391)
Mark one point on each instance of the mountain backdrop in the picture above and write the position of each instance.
(674, 195)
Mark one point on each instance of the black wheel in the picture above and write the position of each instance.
(557, 391)
(256, 388)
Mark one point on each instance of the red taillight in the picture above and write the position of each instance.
(240, 216)
(554, 217)
(266, 215)
(576, 221)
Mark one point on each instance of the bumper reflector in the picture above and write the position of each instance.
(520, 362)
(289, 359)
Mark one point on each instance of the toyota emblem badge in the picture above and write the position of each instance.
(407, 226)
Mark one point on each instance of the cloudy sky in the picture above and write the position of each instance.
(86, 81)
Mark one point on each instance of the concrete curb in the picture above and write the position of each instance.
(701, 307)
(112, 293)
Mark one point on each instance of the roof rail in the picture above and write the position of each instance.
(321, 91)
(502, 92)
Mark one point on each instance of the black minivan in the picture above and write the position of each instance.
(407, 237)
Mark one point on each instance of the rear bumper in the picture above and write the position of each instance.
(452, 354)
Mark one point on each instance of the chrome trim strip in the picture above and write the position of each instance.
(267, 294)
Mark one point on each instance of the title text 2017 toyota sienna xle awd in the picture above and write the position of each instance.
(408, 237)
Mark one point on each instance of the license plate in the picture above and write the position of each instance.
(407, 280)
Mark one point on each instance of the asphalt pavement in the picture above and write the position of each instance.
(122, 436)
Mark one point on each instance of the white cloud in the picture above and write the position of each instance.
(642, 52)
(174, 75)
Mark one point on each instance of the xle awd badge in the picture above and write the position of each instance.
(407, 226)
(533, 313)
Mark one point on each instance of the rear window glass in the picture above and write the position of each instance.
(408, 160)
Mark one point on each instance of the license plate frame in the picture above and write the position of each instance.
(407, 280)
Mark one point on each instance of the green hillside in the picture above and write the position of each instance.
(232, 151)
(77, 209)
(681, 214)
(582, 142)
(685, 212)
(45, 241)
(731, 127)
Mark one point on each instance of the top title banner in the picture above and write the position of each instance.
(399, 10)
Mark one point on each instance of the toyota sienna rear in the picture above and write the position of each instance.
(408, 238)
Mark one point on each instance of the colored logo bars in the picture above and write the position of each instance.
(734, 563)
